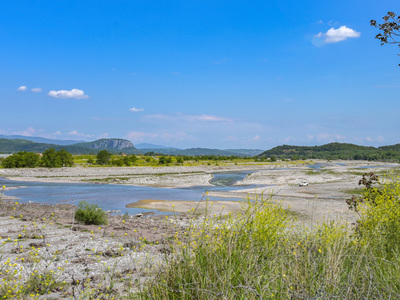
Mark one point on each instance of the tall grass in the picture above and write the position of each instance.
(261, 254)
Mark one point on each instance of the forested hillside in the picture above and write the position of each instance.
(335, 151)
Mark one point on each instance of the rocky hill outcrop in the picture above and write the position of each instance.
(111, 144)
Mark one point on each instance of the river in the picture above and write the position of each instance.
(115, 196)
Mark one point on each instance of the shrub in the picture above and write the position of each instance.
(90, 214)
(379, 223)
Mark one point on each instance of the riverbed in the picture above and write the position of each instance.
(115, 188)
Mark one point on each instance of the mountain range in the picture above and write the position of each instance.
(40, 139)
(11, 144)
(112, 145)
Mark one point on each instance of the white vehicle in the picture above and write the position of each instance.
(303, 183)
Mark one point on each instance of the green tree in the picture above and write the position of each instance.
(162, 160)
(21, 159)
(50, 159)
(126, 161)
(31, 159)
(103, 157)
(119, 162)
(66, 158)
(133, 159)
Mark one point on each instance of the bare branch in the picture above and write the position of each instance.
(390, 29)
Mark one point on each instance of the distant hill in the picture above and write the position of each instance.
(151, 146)
(11, 146)
(392, 147)
(107, 144)
(112, 145)
(40, 139)
(198, 152)
(335, 151)
(206, 151)
(246, 152)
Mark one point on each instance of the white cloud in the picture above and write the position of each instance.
(378, 139)
(139, 136)
(36, 90)
(327, 137)
(256, 138)
(189, 118)
(22, 88)
(288, 139)
(134, 109)
(30, 131)
(337, 35)
(103, 135)
(207, 118)
(76, 133)
(64, 94)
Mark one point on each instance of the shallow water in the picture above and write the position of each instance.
(116, 197)
(228, 178)
(318, 166)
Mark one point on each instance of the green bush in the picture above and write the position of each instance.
(379, 223)
(90, 214)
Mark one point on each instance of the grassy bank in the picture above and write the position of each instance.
(261, 254)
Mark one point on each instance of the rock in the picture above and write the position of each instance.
(111, 144)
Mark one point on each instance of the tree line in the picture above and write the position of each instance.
(50, 158)
(335, 151)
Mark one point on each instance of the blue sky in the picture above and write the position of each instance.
(217, 74)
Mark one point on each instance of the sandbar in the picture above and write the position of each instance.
(202, 207)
